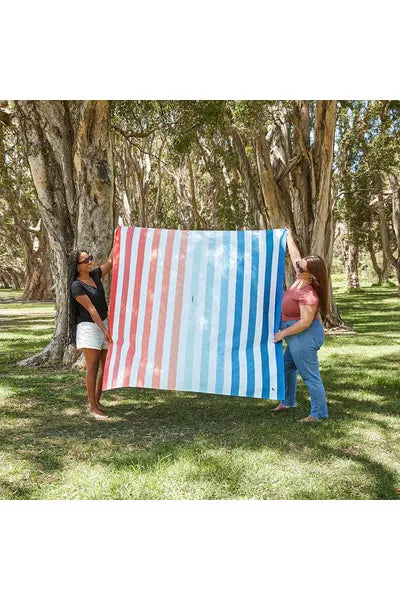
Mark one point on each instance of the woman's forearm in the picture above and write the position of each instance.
(96, 318)
(297, 327)
(293, 249)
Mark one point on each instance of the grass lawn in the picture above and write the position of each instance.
(167, 445)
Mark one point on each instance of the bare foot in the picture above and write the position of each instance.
(98, 414)
(279, 408)
(309, 419)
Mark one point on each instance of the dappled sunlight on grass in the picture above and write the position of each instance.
(160, 444)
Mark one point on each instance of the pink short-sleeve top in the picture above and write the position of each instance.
(294, 298)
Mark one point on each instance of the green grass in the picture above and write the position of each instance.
(164, 445)
(8, 294)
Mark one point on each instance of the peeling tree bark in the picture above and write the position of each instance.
(255, 211)
(300, 178)
(73, 177)
(38, 280)
(384, 229)
(94, 178)
(322, 160)
(395, 186)
(295, 179)
(273, 201)
(381, 272)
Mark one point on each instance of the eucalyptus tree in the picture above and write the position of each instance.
(25, 249)
(379, 136)
(384, 160)
(292, 146)
(230, 195)
(69, 151)
(230, 164)
(351, 188)
(182, 152)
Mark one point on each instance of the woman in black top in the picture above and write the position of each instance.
(90, 307)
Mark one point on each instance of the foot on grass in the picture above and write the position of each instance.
(309, 419)
(98, 414)
(279, 408)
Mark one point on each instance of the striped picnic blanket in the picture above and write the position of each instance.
(197, 311)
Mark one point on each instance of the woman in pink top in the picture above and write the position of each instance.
(302, 306)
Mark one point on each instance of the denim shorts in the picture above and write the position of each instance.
(89, 335)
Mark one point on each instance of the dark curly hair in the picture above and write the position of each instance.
(72, 305)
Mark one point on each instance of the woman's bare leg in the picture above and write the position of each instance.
(99, 383)
(92, 359)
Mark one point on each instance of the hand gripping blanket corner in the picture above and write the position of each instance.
(197, 311)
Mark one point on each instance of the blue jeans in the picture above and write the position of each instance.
(301, 356)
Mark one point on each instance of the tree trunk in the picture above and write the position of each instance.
(94, 179)
(73, 178)
(377, 268)
(221, 195)
(351, 257)
(274, 206)
(19, 212)
(38, 281)
(157, 218)
(140, 170)
(36, 249)
(122, 189)
(321, 173)
(255, 211)
(384, 229)
(192, 196)
(385, 270)
(298, 193)
(189, 211)
(395, 185)
(300, 177)
(11, 276)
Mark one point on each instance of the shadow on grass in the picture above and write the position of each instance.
(47, 427)
(147, 425)
(27, 324)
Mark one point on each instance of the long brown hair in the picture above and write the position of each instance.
(72, 308)
(319, 280)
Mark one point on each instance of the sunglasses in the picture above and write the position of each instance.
(87, 260)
